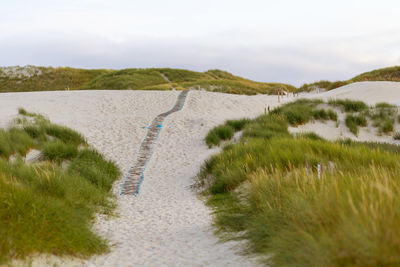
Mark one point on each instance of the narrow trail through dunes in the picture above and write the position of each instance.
(135, 175)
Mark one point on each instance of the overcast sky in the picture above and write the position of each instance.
(288, 41)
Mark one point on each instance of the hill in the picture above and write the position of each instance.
(32, 78)
(385, 74)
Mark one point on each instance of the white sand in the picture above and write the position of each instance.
(368, 92)
(167, 225)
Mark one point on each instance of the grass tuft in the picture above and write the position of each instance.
(225, 132)
(59, 151)
(352, 122)
(47, 207)
(349, 105)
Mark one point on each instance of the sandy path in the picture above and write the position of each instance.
(167, 224)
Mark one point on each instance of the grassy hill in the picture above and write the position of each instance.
(32, 78)
(385, 74)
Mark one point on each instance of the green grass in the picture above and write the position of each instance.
(64, 134)
(180, 75)
(138, 79)
(127, 79)
(49, 207)
(349, 105)
(354, 121)
(224, 132)
(303, 110)
(59, 151)
(240, 86)
(219, 133)
(265, 189)
(237, 125)
(383, 117)
(50, 79)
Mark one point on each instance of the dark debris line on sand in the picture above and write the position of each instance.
(135, 175)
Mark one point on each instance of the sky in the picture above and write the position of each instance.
(288, 41)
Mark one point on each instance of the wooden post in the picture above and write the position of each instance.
(319, 171)
(279, 94)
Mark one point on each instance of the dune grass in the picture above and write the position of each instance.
(224, 132)
(181, 75)
(354, 121)
(349, 105)
(265, 189)
(135, 79)
(50, 79)
(126, 79)
(383, 117)
(385, 74)
(239, 86)
(48, 206)
(303, 110)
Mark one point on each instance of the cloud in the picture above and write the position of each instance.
(294, 63)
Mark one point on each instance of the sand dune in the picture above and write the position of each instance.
(167, 224)
(368, 92)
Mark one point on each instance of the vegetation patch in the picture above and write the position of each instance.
(303, 110)
(353, 121)
(385, 74)
(48, 206)
(349, 105)
(396, 136)
(383, 117)
(136, 79)
(225, 131)
(266, 189)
